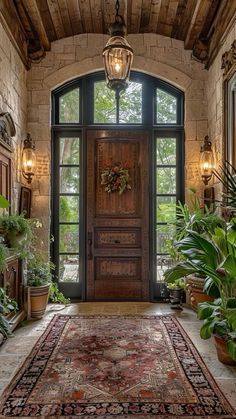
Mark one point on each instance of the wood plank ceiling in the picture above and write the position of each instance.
(34, 24)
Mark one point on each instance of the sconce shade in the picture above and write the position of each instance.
(117, 55)
(207, 161)
(28, 159)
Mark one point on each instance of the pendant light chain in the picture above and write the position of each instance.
(117, 55)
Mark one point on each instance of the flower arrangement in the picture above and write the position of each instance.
(115, 178)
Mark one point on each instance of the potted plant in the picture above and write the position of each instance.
(39, 278)
(203, 220)
(215, 258)
(15, 228)
(7, 306)
(176, 293)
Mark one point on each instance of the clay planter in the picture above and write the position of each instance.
(176, 297)
(222, 351)
(37, 298)
(194, 291)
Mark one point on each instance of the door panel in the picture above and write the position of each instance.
(117, 225)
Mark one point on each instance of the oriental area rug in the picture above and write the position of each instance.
(114, 366)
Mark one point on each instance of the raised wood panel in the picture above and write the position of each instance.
(113, 204)
(117, 268)
(117, 238)
(118, 290)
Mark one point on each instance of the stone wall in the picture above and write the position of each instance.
(215, 96)
(75, 56)
(13, 99)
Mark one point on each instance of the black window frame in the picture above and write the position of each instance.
(150, 84)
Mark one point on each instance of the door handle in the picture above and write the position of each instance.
(90, 244)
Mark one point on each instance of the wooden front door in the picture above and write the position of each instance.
(118, 224)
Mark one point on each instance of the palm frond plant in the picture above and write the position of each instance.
(215, 258)
(227, 177)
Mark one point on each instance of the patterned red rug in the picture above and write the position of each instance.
(114, 366)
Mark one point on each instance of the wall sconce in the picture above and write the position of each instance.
(207, 161)
(117, 55)
(28, 159)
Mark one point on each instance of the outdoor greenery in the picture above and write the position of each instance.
(69, 107)
(227, 176)
(166, 108)
(56, 296)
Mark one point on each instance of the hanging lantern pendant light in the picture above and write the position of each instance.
(117, 55)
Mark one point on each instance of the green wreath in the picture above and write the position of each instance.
(115, 178)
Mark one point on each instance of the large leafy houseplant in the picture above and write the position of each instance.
(227, 177)
(215, 258)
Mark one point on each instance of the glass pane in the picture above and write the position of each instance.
(69, 106)
(104, 104)
(166, 108)
(69, 208)
(166, 209)
(164, 234)
(69, 268)
(69, 150)
(69, 179)
(166, 150)
(69, 238)
(163, 262)
(131, 104)
(166, 180)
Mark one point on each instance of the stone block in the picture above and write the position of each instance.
(40, 97)
(190, 131)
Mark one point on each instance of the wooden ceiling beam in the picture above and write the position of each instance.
(182, 4)
(201, 11)
(86, 15)
(34, 15)
(135, 16)
(13, 27)
(75, 17)
(56, 18)
(154, 15)
(65, 17)
(97, 17)
(225, 19)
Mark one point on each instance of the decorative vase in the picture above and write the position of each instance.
(37, 301)
(222, 351)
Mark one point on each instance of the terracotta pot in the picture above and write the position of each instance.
(37, 301)
(222, 351)
(195, 293)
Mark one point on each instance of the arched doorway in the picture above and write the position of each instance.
(112, 246)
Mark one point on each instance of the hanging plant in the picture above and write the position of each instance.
(115, 178)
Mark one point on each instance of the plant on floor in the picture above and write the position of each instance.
(56, 296)
(226, 176)
(7, 305)
(215, 258)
